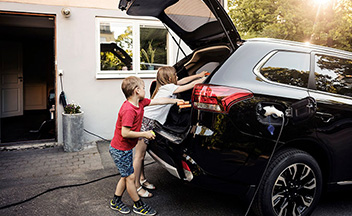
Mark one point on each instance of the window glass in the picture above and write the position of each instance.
(333, 74)
(190, 15)
(288, 68)
(128, 47)
(153, 44)
(116, 46)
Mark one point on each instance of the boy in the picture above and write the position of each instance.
(125, 138)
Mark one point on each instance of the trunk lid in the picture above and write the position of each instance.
(198, 23)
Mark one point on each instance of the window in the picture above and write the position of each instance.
(288, 68)
(153, 47)
(190, 15)
(131, 47)
(333, 74)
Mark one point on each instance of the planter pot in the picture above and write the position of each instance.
(72, 132)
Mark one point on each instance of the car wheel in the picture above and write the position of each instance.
(292, 185)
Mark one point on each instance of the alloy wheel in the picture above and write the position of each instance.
(294, 190)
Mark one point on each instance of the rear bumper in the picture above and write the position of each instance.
(171, 169)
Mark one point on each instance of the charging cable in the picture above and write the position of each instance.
(64, 186)
(67, 186)
(269, 110)
(91, 133)
(55, 188)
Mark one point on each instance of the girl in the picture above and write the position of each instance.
(167, 86)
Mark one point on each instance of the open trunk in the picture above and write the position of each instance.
(209, 32)
(206, 28)
(178, 120)
(199, 23)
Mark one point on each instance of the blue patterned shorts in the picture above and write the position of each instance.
(123, 161)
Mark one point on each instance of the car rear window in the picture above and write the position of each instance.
(190, 15)
(333, 74)
(290, 68)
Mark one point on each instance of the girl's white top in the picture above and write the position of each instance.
(159, 112)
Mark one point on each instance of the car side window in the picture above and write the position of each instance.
(290, 68)
(333, 74)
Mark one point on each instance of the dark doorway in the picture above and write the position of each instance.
(27, 46)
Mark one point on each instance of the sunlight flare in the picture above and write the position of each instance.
(322, 2)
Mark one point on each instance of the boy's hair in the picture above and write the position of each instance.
(129, 84)
(166, 75)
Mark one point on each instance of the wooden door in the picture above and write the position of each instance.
(11, 79)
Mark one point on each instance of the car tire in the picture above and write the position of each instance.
(292, 185)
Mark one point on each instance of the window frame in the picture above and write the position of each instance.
(313, 76)
(268, 56)
(136, 24)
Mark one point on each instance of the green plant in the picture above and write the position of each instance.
(72, 108)
(150, 53)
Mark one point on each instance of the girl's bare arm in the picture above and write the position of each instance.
(164, 100)
(191, 78)
(189, 85)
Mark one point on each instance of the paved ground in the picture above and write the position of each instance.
(82, 183)
(29, 172)
(48, 162)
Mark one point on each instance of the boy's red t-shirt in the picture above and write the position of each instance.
(129, 116)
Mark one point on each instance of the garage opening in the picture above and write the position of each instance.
(27, 77)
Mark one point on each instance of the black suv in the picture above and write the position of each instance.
(273, 119)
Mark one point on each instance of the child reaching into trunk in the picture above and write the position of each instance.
(167, 86)
(125, 138)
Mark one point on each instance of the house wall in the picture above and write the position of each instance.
(103, 4)
(76, 49)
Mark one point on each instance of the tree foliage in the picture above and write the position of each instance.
(108, 61)
(328, 24)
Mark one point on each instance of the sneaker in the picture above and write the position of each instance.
(144, 210)
(119, 206)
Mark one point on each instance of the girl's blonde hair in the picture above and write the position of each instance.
(166, 75)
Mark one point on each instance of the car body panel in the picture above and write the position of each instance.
(334, 129)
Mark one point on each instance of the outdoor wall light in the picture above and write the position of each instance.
(66, 12)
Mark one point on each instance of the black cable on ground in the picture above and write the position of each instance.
(61, 187)
(55, 188)
(96, 135)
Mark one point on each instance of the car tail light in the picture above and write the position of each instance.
(217, 98)
(187, 171)
(185, 166)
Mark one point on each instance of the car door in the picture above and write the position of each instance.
(333, 94)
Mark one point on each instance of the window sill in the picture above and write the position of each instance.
(122, 75)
